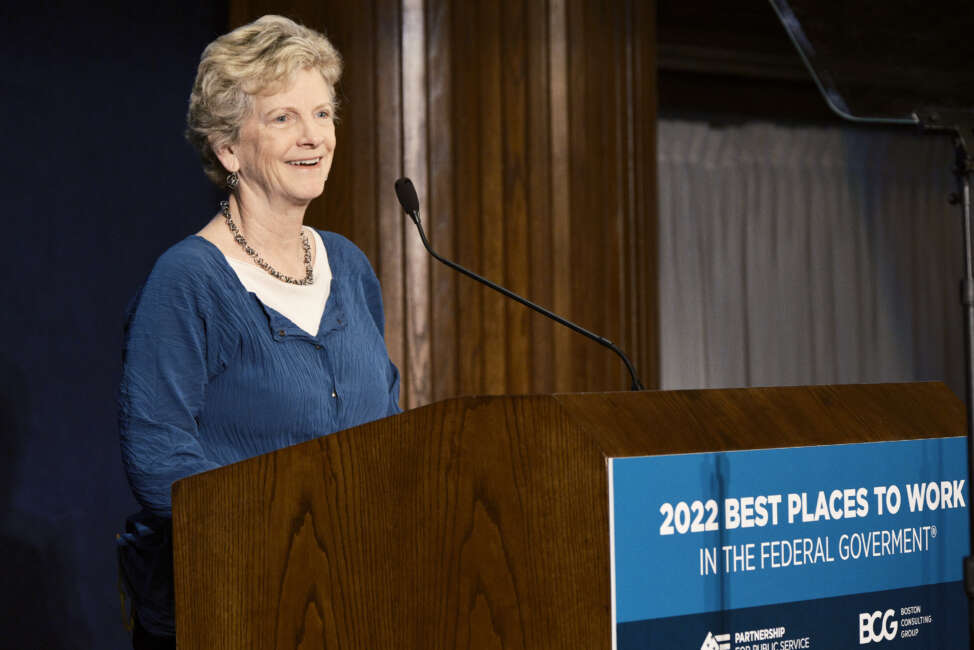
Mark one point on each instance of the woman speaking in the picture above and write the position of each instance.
(257, 332)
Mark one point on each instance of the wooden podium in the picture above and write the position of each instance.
(473, 522)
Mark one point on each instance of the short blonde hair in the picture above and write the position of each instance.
(252, 59)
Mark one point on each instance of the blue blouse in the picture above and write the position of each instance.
(212, 376)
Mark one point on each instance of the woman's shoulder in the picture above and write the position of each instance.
(344, 256)
(191, 267)
(351, 268)
(193, 260)
(187, 255)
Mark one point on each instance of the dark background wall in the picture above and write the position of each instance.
(96, 181)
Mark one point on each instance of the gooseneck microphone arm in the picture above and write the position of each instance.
(406, 194)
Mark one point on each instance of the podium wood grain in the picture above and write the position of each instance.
(474, 522)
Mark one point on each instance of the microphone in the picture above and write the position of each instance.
(406, 194)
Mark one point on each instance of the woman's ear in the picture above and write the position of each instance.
(227, 156)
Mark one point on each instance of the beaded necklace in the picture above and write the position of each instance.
(259, 261)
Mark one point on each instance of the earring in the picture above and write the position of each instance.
(232, 181)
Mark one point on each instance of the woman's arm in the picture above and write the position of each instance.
(164, 376)
(373, 298)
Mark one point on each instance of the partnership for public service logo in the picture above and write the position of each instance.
(767, 638)
(716, 642)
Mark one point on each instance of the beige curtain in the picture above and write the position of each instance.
(798, 255)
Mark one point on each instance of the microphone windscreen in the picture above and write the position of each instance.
(406, 194)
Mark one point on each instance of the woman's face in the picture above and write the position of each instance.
(286, 144)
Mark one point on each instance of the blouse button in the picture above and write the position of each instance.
(334, 394)
(280, 332)
(317, 347)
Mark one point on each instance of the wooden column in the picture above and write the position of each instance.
(529, 130)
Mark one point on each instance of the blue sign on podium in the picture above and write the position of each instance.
(828, 547)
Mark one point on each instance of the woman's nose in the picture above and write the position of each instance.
(313, 133)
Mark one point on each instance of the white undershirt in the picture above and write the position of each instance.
(303, 305)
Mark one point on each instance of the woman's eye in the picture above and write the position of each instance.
(281, 118)
(324, 114)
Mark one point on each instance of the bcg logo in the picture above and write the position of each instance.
(878, 626)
